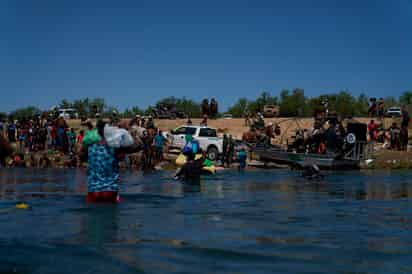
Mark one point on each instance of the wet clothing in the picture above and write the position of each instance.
(103, 175)
(103, 169)
(191, 171)
(103, 197)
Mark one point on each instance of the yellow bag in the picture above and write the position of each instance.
(210, 169)
(181, 160)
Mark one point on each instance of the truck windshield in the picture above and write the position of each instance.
(207, 132)
(185, 130)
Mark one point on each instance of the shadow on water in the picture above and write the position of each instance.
(252, 222)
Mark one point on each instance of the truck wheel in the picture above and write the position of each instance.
(212, 153)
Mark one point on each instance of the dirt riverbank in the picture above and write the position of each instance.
(236, 127)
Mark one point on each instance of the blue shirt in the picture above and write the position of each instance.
(103, 169)
(159, 141)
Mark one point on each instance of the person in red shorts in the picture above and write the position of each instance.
(103, 168)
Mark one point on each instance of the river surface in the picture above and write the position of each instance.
(252, 222)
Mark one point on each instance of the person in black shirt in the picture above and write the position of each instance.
(191, 170)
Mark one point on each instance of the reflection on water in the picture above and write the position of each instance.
(255, 222)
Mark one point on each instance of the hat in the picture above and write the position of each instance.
(137, 116)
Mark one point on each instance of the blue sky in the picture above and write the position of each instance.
(135, 52)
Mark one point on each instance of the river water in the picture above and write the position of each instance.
(252, 222)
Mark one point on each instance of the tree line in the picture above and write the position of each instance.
(291, 104)
(295, 104)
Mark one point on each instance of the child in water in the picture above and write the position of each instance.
(103, 168)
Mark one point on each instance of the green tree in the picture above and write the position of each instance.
(265, 98)
(315, 105)
(149, 110)
(345, 104)
(391, 101)
(406, 98)
(293, 104)
(362, 105)
(239, 108)
(25, 113)
(132, 112)
(188, 106)
(98, 104)
(3, 116)
(65, 104)
(82, 106)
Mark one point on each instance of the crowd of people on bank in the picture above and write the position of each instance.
(45, 142)
(396, 137)
(329, 134)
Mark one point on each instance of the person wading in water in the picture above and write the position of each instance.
(191, 170)
(103, 168)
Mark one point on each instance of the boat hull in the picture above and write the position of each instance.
(304, 159)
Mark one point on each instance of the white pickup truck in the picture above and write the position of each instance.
(206, 136)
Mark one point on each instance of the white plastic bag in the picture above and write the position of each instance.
(117, 137)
